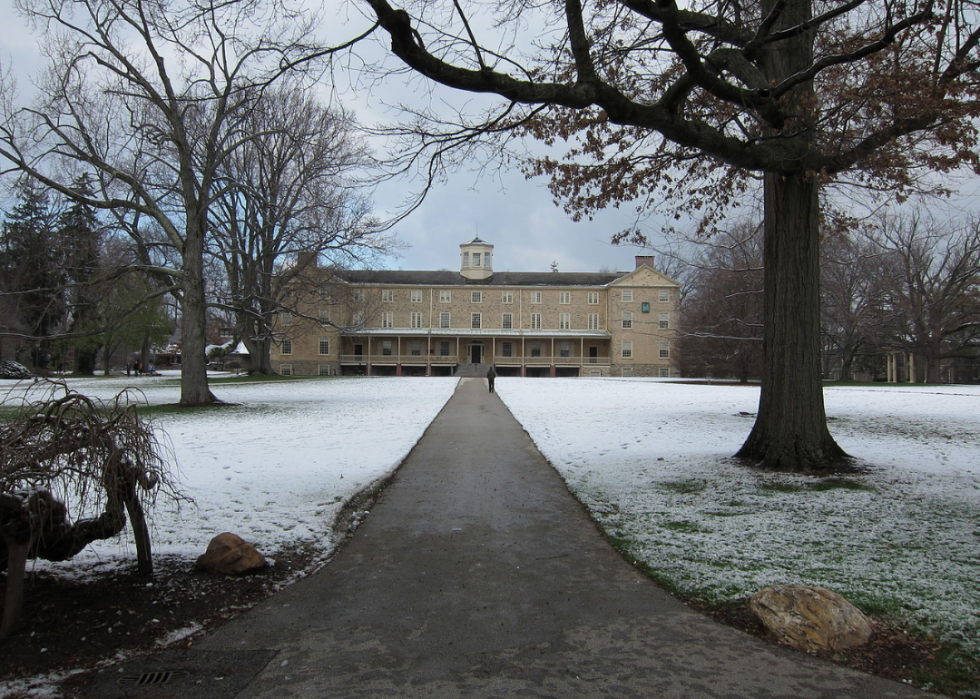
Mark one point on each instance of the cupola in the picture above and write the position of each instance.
(476, 259)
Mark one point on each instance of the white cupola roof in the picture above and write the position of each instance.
(476, 259)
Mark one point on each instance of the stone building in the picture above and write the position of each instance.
(436, 323)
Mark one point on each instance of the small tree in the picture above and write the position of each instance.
(65, 460)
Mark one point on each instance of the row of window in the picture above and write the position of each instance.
(507, 320)
(329, 370)
(564, 297)
(507, 348)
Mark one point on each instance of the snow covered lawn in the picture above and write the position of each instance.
(274, 468)
(650, 460)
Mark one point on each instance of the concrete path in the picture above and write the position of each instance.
(477, 574)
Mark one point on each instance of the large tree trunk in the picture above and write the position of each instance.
(194, 388)
(260, 360)
(790, 432)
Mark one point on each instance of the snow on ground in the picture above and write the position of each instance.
(651, 461)
(649, 458)
(277, 466)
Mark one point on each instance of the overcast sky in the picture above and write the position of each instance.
(503, 208)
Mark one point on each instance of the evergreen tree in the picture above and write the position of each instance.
(32, 269)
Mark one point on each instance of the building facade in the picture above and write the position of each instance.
(429, 323)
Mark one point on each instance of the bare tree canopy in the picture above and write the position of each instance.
(151, 97)
(654, 98)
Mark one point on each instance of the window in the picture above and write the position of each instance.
(507, 297)
(475, 320)
(593, 298)
(324, 346)
(444, 348)
(476, 259)
(664, 295)
(564, 349)
(416, 348)
(357, 318)
(476, 297)
(445, 297)
(627, 349)
(358, 294)
(627, 319)
(627, 371)
(664, 350)
(466, 259)
(665, 372)
(564, 297)
(595, 373)
(627, 295)
(387, 319)
(416, 319)
(535, 321)
(508, 349)
(416, 296)
(535, 349)
(564, 321)
(286, 318)
(507, 321)
(665, 320)
(387, 295)
(324, 316)
(386, 347)
(324, 370)
(535, 297)
(285, 370)
(444, 319)
(593, 321)
(287, 346)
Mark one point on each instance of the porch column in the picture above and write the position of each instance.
(367, 370)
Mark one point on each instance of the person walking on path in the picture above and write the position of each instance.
(491, 375)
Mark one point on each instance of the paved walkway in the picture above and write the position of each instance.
(476, 575)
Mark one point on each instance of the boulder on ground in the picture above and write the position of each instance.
(811, 618)
(14, 370)
(229, 554)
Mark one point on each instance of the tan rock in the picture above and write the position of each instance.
(229, 554)
(811, 618)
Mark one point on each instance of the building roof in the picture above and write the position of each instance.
(446, 277)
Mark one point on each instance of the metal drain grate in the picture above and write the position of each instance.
(154, 678)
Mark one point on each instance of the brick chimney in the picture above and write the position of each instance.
(306, 260)
(644, 260)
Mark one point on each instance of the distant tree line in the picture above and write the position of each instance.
(901, 285)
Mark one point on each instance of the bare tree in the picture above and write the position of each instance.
(934, 292)
(289, 194)
(853, 318)
(721, 314)
(703, 101)
(151, 97)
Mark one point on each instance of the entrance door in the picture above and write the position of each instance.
(358, 350)
(476, 354)
(593, 355)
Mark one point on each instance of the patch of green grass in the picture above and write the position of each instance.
(874, 605)
(689, 487)
(9, 413)
(780, 487)
(839, 484)
(683, 526)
